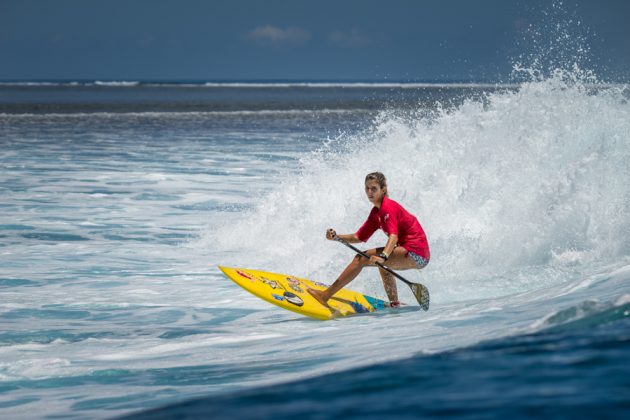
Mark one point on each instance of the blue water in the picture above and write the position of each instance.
(575, 371)
(118, 202)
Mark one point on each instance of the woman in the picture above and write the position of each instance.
(406, 246)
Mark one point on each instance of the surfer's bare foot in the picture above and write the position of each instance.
(318, 295)
(394, 304)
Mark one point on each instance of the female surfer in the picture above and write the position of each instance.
(406, 246)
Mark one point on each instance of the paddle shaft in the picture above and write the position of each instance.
(363, 254)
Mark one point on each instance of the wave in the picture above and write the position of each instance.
(586, 314)
(116, 84)
(267, 85)
(281, 85)
(555, 374)
(520, 189)
(183, 114)
(359, 85)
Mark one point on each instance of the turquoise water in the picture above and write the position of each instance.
(115, 214)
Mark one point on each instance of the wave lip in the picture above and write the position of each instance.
(585, 315)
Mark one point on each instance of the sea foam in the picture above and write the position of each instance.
(516, 190)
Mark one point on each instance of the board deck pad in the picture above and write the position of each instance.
(290, 292)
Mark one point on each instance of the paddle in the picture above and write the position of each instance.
(419, 291)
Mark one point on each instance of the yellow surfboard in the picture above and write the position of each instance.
(289, 292)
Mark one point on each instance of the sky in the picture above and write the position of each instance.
(319, 40)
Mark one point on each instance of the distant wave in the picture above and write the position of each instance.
(263, 85)
(288, 85)
(181, 113)
(116, 84)
(359, 85)
(74, 83)
(40, 84)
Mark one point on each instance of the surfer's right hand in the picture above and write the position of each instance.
(331, 234)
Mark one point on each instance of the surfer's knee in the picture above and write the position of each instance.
(360, 260)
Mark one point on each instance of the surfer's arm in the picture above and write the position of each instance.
(350, 237)
(391, 244)
(389, 248)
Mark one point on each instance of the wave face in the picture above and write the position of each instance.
(524, 197)
(516, 191)
(523, 194)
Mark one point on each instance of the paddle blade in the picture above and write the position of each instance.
(422, 295)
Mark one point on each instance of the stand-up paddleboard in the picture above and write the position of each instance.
(289, 292)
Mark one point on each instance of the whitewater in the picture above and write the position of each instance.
(113, 224)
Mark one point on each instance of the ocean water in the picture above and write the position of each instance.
(119, 200)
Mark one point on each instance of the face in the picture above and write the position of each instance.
(374, 191)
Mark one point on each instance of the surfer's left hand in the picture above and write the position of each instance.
(376, 259)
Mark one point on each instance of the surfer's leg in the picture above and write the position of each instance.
(350, 273)
(399, 259)
(389, 283)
